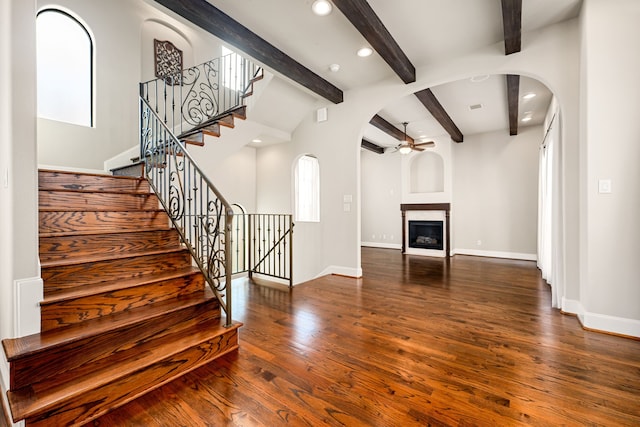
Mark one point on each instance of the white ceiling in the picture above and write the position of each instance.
(427, 31)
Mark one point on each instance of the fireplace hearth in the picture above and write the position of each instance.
(426, 235)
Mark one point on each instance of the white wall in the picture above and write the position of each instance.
(610, 236)
(381, 197)
(495, 194)
(234, 176)
(18, 176)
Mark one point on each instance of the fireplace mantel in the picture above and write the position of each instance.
(446, 207)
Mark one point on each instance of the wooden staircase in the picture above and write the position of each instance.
(212, 127)
(124, 311)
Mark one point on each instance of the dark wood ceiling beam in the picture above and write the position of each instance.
(513, 96)
(209, 18)
(371, 146)
(436, 109)
(388, 128)
(512, 23)
(371, 27)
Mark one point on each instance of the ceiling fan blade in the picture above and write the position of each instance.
(417, 148)
(425, 144)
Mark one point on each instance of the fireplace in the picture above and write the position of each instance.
(426, 229)
(426, 235)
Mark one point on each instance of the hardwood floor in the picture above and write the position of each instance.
(416, 341)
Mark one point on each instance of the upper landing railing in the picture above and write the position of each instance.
(198, 94)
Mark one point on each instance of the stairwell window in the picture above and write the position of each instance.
(64, 68)
(307, 189)
(231, 69)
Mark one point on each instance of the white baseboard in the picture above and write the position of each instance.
(496, 254)
(341, 271)
(602, 322)
(29, 292)
(381, 245)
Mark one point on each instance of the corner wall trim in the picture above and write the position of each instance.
(28, 294)
(602, 322)
(341, 271)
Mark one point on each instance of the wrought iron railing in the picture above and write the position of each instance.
(200, 93)
(267, 247)
(197, 209)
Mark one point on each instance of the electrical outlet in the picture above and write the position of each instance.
(373, 237)
(479, 243)
(384, 237)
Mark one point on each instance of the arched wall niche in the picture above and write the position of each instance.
(426, 173)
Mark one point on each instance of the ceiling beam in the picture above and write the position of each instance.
(373, 30)
(513, 95)
(371, 146)
(512, 23)
(388, 128)
(436, 109)
(209, 18)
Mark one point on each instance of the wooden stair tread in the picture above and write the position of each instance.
(102, 191)
(93, 232)
(225, 119)
(115, 285)
(108, 257)
(36, 399)
(96, 222)
(26, 346)
(66, 247)
(56, 180)
(59, 172)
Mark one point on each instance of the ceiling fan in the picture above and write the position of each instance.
(408, 145)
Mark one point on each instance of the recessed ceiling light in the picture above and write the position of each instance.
(321, 7)
(529, 95)
(334, 68)
(526, 119)
(256, 140)
(364, 51)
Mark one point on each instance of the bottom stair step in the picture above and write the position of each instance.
(81, 399)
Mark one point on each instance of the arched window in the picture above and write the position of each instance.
(65, 68)
(307, 189)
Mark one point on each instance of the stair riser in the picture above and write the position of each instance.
(75, 201)
(97, 402)
(59, 223)
(71, 276)
(69, 247)
(51, 180)
(65, 313)
(55, 362)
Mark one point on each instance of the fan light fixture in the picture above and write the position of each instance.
(405, 148)
(321, 7)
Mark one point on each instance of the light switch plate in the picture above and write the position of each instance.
(604, 186)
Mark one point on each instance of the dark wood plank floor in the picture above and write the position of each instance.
(417, 341)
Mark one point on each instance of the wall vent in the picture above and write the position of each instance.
(475, 107)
